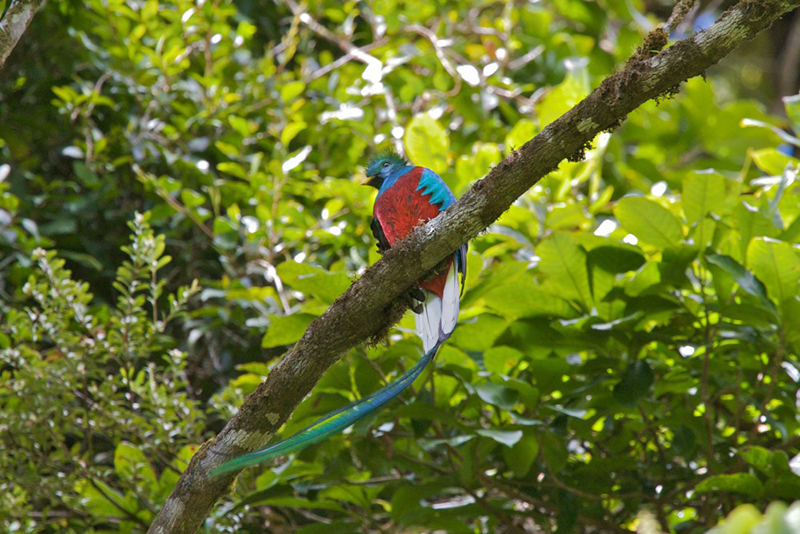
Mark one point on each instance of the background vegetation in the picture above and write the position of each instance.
(179, 198)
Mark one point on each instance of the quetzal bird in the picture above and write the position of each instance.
(407, 196)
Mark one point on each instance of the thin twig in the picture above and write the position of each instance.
(523, 60)
(322, 31)
(443, 59)
(333, 65)
(682, 7)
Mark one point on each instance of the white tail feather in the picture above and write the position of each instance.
(439, 315)
(450, 297)
(428, 322)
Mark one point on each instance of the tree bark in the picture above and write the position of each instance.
(367, 306)
(18, 17)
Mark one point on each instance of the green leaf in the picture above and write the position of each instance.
(773, 162)
(772, 464)
(617, 259)
(150, 10)
(646, 278)
(501, 396)
(522, 132)
(501, 360)
(103, 502)
(86, 260)
(564, 96)
(648, 221)
(792, 105)
(749, 222)
(703, 233)
(240, 124)
(291, 130)
(564, 263)
(520, 457)
(479, 335)
(232, 168)
(554, 451)
(703, 193)
(296, 502)
(292, 89)
(487, 156)
(635, 383)
(743, 483)
(505, 300)
(286, 329)
(226, 233)
(742, 520)
(406, 502)
(323, 284)
(746, 280)
(528, 395)
(777, 521)
(504, 437)
(777, 265)
(192, 199)
(426, 143)
(131, 463)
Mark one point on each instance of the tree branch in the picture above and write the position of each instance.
(19, 15)
(366, 306)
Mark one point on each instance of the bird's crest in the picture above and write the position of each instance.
(387, 155)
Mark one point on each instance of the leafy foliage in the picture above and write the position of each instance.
(629, 333)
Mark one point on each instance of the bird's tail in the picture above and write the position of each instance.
(439, 314)
(331, 423)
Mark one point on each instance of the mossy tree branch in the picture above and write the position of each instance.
(366, 307)
(16, 20)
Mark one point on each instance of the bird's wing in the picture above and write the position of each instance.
(377, 231)
(432, 185)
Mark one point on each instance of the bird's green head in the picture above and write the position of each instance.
(383, 166)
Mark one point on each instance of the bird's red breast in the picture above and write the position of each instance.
(402, 207)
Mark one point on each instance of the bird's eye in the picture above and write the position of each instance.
(385, 164)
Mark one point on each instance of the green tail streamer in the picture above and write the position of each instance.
(332, 423)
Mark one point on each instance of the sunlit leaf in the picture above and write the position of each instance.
(746, 280)
(564, 262)
(703, 193)
(132, 464)
(649, 221)
(426, 143)
(777, 265)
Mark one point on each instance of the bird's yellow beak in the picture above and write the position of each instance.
(370, 180)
